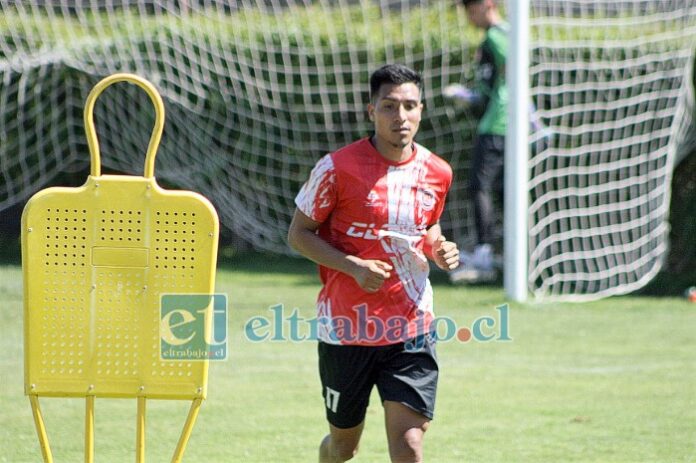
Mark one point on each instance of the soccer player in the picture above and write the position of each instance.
(368, 215)
(490, 97)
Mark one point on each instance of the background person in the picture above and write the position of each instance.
(490, 98)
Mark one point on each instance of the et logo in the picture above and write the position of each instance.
(193, 327)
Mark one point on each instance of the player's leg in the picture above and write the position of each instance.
(405, 430)
(340, 444)
(486, 169)
(347, 376)
(407, 384)
(486, 166)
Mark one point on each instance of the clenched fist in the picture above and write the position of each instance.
(445, 254)
(370, 274)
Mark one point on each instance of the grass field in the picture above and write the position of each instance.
(610, 381)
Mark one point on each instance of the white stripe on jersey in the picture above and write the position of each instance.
(325, 321)
(399, 195)
(409, 263)
(309, 198)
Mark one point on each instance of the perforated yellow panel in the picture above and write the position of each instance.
(96, 261)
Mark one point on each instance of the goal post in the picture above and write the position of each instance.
(517, 155)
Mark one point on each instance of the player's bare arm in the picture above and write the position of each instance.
(444, 253)
(368, 273)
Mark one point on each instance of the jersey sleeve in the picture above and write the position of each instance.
(498, 44)
(491, 63)
(445, 175)
(317, 197)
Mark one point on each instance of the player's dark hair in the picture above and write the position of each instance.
(394, 74)
(470, 2)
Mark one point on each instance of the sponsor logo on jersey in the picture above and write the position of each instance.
(372, 199)
(362, 230)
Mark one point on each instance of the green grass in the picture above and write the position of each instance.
(609, 381)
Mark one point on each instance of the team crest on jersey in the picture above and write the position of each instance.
(426, 198)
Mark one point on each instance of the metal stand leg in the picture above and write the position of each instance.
(40, 429)
(140, 432)
(186, 432)
(89, 429)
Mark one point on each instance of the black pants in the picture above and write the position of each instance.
(486, 179)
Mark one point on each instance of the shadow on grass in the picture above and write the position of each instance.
(270, 264)
(10, 251)
(255, 263)
(441, 278)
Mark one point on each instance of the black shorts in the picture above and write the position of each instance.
(405, 375)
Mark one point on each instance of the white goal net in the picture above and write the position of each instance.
(613, 81)
(257, 90)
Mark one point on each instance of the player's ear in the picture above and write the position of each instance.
(371, 112)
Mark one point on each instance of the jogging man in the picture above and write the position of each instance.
(368, 215)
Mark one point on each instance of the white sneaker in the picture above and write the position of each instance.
(468, 274)
(476, 267)
(483, 257)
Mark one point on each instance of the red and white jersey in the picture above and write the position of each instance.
(372, 208)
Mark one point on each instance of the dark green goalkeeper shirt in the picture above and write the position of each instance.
(490, 80)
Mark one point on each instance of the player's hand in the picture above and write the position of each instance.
(445, 254)
(370, 274)
(459, 93)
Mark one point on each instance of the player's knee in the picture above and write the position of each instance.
(333, 449)
(409, 447)
(345, 450)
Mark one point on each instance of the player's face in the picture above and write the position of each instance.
(396, 112)
(476, 13)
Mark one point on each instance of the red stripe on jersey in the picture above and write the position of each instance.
(376, 209)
